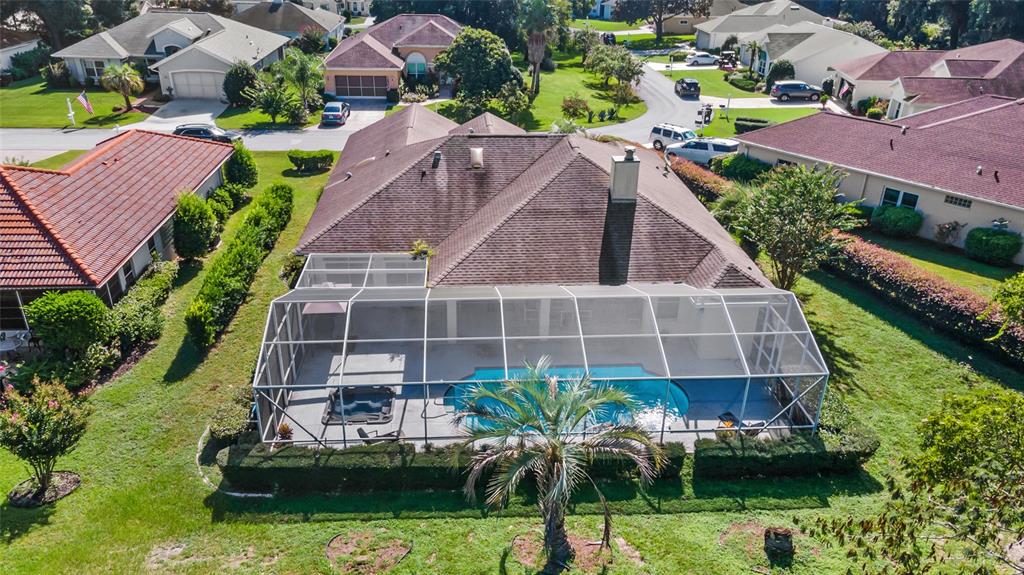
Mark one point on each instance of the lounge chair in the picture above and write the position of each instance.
(389, 437)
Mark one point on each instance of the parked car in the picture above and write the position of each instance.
(700, 150)
(207, 132)
(701, 59)
(686, 87)
(786, 89)
(608, 38)
(335, 113)
(666, 134)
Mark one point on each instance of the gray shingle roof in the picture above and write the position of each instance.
(288, 17)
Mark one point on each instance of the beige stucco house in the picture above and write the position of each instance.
(713, 33)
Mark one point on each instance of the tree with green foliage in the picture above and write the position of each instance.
(993, 20)
(194, 226)
(123, 79)
(62, 21)
(70, 321)
(793, 216)
(584, 40)
(531, 428)
(270, 96)
(110, 13)
(513, 101)
(305, 72)
(310, 41)
(42, 427)
(957, 507)
(614, 62)
(780, 70)
(1009, 299)
(657, 12)
(239, 77)
(481, 64)
(240, 169)
(219, 7)
(915, 18)
(538, 19)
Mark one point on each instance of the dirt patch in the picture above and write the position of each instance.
(628, 550)
(363, 553)
(748, 536)
(1015, 552)
(167, 555)
(528, 550)
(26, 493)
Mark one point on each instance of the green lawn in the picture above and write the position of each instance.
(950, 263)
(648, 41)
(712, 83)
(356, 20)
(604, 25)
(721, 127)
(59, 161)
(143, 508)
(30, 104)
(252, 119)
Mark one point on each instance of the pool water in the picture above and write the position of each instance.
(648, 393)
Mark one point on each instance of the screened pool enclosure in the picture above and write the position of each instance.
(362, 352)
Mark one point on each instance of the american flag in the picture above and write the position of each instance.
(84, 101)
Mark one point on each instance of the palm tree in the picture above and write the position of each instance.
(537, 427)
(123, 79)
(753, 47)
(538, 19)
(304, 72)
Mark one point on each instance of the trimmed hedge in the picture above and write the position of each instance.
(69, 320)
(797, 454)
(744, 84)
(934, 300)
(738, 167)
(240, 169)
(993, 246)
(231, 420)
(194, 226)
(707, 185)
(137, 317)
(744, 125)
(227, 282)
(389, 466)
(314, 161)
(897, 221)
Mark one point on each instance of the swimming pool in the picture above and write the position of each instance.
(648, 393)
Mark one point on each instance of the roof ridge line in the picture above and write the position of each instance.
(33, 169)
(1011, 102)
(70, 252)
(574, 154)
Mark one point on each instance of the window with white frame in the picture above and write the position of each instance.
(94, 69)
(416, 65)
(894, 197)
(958, 202)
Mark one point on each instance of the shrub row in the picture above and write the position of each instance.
(392, 466)
(993, 246)
(744, 125)
(897, 221)
(314, 161)
(227, 282)
(798, 454)
(738, 167)
(707, 185)
(137, 318)
(742, 83)
(936, 301)
(231, 420)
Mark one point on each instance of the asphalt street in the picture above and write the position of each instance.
(663, 105)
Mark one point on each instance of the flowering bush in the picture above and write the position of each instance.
(704, 183)
(957, 310)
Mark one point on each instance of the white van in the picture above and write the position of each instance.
(665, 134)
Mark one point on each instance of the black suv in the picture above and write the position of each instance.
(207, 132)
(686, 87)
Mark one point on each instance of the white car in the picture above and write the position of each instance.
(701, 59)
(701, 150)
(667, 134)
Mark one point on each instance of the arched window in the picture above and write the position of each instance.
(416, 65)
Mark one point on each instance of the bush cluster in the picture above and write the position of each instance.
(744, 125)
(707, 185)
(957, 310)
(743, 83)
(137, 318)
(231, 420)
(738, 167)
(875, 113)
(798, 454)
(897, 221)
(391, 466)
(227, 282)
(69, 321)
(27, 64)
(993, 246)
(312, 161)
(241, 169)
(194, 226)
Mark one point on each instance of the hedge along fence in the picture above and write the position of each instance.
(936, 301)
(227, 282)
(744, 124)
(707, 185)
(797, 454)
(315, 161)
(390, 466)
(137, 317)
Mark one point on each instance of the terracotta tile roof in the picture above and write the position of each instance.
(537, 212)
(941, 148)
(76, 226)
(372, 48)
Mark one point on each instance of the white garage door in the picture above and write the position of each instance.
(205, 85)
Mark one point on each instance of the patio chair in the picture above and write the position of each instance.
(377, 437)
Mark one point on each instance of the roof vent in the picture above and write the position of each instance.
(472, 130)
(625, 176)
(978, 170)
(903, 131)
(437, 159)
(476, 158)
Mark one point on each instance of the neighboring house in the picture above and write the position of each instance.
(291, 20)
(810, 47)
(370, 63)
(15, 42)
(687, 23)
(713, 33)
(916, 80)
(186, 52)
(591, 254)
(93, 224)
(958, 162)
(602, 9)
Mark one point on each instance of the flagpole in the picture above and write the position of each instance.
(71, 112)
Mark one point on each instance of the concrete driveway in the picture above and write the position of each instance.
(184, 111)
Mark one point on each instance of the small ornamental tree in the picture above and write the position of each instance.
(793, 216)
(123, 79)
(69, 321)
(270, 96)
(514, 102)
(194, 226)
(481, 64)
(310, 41)
(240, 169)
(574, 107)
(959, 509)
(780, 70)
(40, 428)
(239, 77)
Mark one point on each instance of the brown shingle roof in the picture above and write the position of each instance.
(362, 51)
(487, 123)
(288, 17)
(941, 149)
(890, 65)
(537, 212)
(373, 47)
(427, 35)
(76, 226)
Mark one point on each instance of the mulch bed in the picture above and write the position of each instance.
(61, 485)
(528, 550)
(363, 553)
